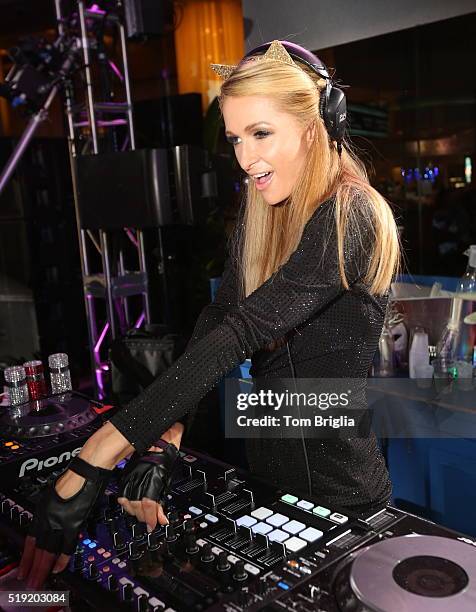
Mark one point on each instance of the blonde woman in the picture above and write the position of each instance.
(314, 254)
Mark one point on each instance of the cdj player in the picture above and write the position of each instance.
(235, 543)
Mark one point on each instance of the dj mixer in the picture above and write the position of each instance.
(235, 543)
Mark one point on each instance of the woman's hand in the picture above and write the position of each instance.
(63, 507)
(146, 481)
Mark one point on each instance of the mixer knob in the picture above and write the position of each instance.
(170, 535)
(223, 564)
(191, 547)
(130, 521)
(189, 526)
(153, 541)
(138, 531)
(240, 573)
(6, 505)
(93, 571)
(78, 560)
(262, 586)
(119, 542)
(173, 516)
(112, 583)
(15, 514)
(142, 603)
(127, 592)
(314, 592)
(24, 519)
(134, 551)
(242, 598)
(207, 555)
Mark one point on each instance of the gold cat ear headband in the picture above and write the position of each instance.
(275, 53)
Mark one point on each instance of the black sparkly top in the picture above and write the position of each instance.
(335, 334)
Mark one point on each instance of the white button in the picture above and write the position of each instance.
(321, 511)
(339, 518)
(125, 581)
(277, 520)
(232, 559)
(216, 550)
(305, 505)
(278, 536)
(251, 569)
(245, 521)
(195, 510)
(295, 544)
(186, 516)
(189, 458)
(261, 528)
(201, 542)
(116, 560)
(122, 565)
(153, 601)
(138, 591)
(210, 518)
(203, 525)
(294, 527)
(310, 534)
(261, 513)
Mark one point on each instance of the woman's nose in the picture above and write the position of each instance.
(247, 156)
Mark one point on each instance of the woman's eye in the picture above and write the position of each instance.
(261, 134)
(233, 140)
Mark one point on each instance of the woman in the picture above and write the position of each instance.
(315, 252)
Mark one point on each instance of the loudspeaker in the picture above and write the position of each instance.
(148, 17)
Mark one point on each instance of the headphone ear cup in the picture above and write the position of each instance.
(335, 114)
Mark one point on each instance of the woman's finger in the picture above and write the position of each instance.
(61, 563)
(163, 520)
(42, 564)
(149, 510)
(126, 504)
(138, 512)
(27, 557)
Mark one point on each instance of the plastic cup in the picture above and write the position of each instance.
(424, 375)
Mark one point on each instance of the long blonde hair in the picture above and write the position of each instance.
(272, 233)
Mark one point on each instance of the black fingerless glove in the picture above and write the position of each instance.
(57, 521)
(149, 475)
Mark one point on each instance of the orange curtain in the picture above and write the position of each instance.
(210, 31)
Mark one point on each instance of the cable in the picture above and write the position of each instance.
(303, 440)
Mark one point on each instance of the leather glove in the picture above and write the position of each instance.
(149, 475)
(57, 522)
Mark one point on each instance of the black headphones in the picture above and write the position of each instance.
(333, 105)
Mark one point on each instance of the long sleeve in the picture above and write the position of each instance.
(306, 284)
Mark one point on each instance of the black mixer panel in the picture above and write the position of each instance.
(235, 543)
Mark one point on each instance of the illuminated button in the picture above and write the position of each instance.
(294, 527)
(106, 568)
(92, 544)
(14, 447)
(277, 520)
(101, 550)
(107, 554)
(8, 443)
(278, 536)
(246, 521)
(282, 585)
(305, 505)
(139, 591)
(86, 541)
(289, 499)
(261, 513)
(122, 564)
(216, 551)
(321, 511)
(195, 510)
(251, 569)
(295, 544)
(262, 528)
(154, 602)
(203, 525)
(293, 563)
(186, 516)
(125, 581)
(91, 558)
(339, 518)
(232, 559)
(201, 542)
(310, 534)
(116, 560)
(210, 518)
(189, 458)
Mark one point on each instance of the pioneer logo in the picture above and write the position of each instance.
(38, 465)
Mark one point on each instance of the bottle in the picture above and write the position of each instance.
(59, 373)
(466, 291)
(419, 355)
(15, 379)
(35, 379)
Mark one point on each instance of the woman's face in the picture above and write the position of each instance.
(270, 145)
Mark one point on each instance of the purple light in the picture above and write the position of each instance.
(140, 320)
(100, 339)
(95, 9)
(131, 237)
(116, 70)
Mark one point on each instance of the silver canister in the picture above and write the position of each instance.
(15, 380)
(59, 373)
